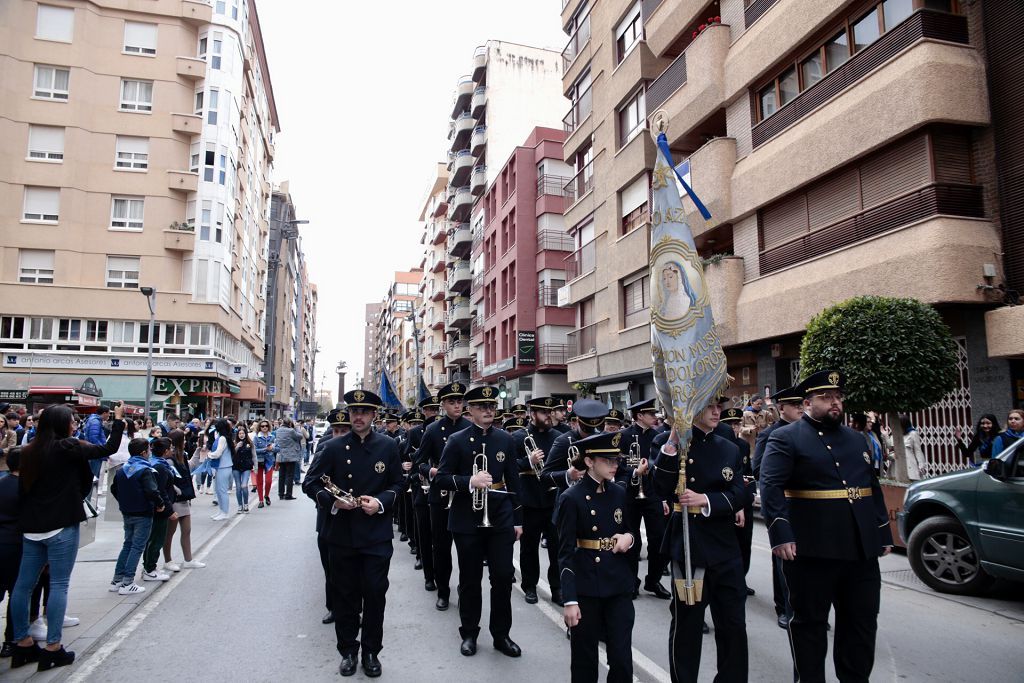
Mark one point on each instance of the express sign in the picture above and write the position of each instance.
(187, 386)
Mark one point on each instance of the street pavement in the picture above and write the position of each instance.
(254, 614)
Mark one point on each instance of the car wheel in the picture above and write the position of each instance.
(942, 555)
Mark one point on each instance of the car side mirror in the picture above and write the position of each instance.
(995, 468)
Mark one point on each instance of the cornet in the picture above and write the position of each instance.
(339, 493)
(633, 460)
(480, 495)
(531, 445)
(572, 453)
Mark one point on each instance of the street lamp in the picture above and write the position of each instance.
(288, 232)
(150, 294)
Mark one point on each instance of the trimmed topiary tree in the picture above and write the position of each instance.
(897, 354)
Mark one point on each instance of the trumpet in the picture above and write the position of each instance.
(633, 460)
(572, 453)
(339, 493)
(531, 445)
(480, 495)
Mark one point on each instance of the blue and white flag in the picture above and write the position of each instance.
(689, 364)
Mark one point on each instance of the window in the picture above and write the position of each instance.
(201, 51)
(218, 47)
(205, 220)
(96, 331)
(211, 109)
(55, 23)
(810, 69)
(234, 9)
(789, 87)
(219, 231)
(219, 6)
(139, 39)
(126, 213)
(136, 95)
(190, 214)
(45, 143)
(132, 153)
(51, 82)
(123, 272)
(633, 204)
(632, 117)
(635, 300)
(35, 266)
(222, 166)
(199, 103)
(174, 333)
(209, 160)
(895, 11)
(42, 204)
(12, 327)
(837, 51)
(628, 33)
(122, 332)
(69, 329)
(866, 30)
(199, 335)
(193, 157)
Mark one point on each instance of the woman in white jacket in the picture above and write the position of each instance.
(916, 461)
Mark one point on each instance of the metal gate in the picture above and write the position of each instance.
(937, 424)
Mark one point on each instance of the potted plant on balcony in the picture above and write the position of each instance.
(898, 357)
(712, 21)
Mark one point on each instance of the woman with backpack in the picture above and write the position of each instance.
(185, 493)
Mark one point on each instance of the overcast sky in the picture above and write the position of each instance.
(363, 93)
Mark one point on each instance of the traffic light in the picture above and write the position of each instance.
(502, 389)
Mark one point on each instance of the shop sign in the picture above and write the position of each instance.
(188, 386)
(527, 347)
(39, 361)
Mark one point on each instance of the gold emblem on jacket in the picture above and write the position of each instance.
(500, 457)
(727, 473)
(616, 439)
(617, 516)
(379, 467)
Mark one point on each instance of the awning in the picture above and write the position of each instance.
(234, 388)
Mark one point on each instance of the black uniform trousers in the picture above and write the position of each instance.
(424, 543)
(853, 587)
(726, 593)
(325, 561)
(494, 545)
(442, 548)
(538, 521)
(745, 536)
(609, 619)
(408, 525)
(360, 581)
(652, 512)
(780, 594)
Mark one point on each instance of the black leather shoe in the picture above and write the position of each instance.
(412, 551)
(468, 647)
(50, 659)
(441, 604)
(328, 618)
(657, 590)
(828, 626)
(371, 665)
(418, 566)
(429, 585)
(24, 654)
(750, 591)
(636, 594)
(556, 597)
(348, 665)
(531, 597)
(506, 647)
(404, 537)
(6, 650)
(705, 629)
(783, 621)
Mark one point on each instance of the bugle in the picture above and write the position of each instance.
(531, 445)
(480, 495)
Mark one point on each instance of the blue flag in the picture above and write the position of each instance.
(689, 364)
(424, 393)
(387, 393)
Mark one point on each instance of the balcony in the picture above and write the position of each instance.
(463, 94)
(552, 354)
(576, 44)
(437, 263)
(553, 185)
(190, 68)
(479, 63)
(461, 204)
(459, 240)
(461, 165)
(582, 342)
(196, 12)
(478, 143)
(581, 261)
(461, 130)
(716, 161)
(436, 233)
(476, 328)
(459, 279)
(180, 240)
(553, 240)
(579, 111)
(182, 181)
(666, 22)
(435, 322)
(478, 184)
(580, 184)
(547, 296)
(187, 123)
(457, 354)
(458, 317)
(479, 102)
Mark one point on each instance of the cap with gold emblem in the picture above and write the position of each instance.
(645, 406)
(519, 409)
(789, 394)
(390, 417)
(614, 416)
(414, 417)
(360, 398)
(482, 395)
(600, 445)
(732, 415)
(590, 412)
(514, 423)
(429, 402)
(543, 403)
(823, 380)
(338, 418)
(453, 390)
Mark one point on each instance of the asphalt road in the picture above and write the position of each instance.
(254, 614)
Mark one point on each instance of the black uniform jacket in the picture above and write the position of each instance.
(410, 453)
(808, 455)
(726, 431)
(534, 493)
(645, 437)
(434, 439)
(369, 467)
(714, 467)
(760, 442)
(503, 507)
(585, 513)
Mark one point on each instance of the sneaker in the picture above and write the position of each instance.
(131, 589)
(172, 567)
(213, 502)
(245, 508)
(155, 576)
(193, 564)
(239, 510)
(260, 505)
(115, 584)
(38, 629)
(71, 621)
(219, 517)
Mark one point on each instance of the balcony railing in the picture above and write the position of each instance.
(670, 80)
(551, 184)
(581, 261)
(582, 341)
(576, 43)
(552, 354)
(581, 183)
(580, 110)
(554, 240)
(547, 296)
(478, 282)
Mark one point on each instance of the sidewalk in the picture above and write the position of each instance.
(100, 610)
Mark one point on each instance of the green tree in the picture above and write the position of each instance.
(897, 354)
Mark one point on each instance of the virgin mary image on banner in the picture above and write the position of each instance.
(675, 295)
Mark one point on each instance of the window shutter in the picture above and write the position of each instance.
(140, 35)
(42, 200)
(635, 195)
(896, 171)
(783, 221)
(833, 199)
(46, 139)
(133, 145)
(55, 23)
(37, 258)
(952, 154)
(124, 263)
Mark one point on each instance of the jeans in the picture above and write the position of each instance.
(96, 465)
(241, 486)
(222, 481)
(136, 533)
(60, 552)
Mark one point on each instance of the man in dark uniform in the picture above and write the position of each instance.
(538, 500)
(410, 419)
(613, 422)
(339, 422)
(421, 511)
(593, 544)
(359, 536)
(519, 410)
(828, 522)
(491, 531)
(790, 404)
(557, 471)
(651, 509)
(714, 495)
(558, 421)
(515, 424)
(428, 460)
(731, 420)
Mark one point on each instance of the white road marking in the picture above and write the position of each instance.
(93, 661)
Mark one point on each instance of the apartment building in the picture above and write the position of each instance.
(519, 332)
(396, 341)
(843, 148)
(138, 152)
(431, 313)
(371, 313)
